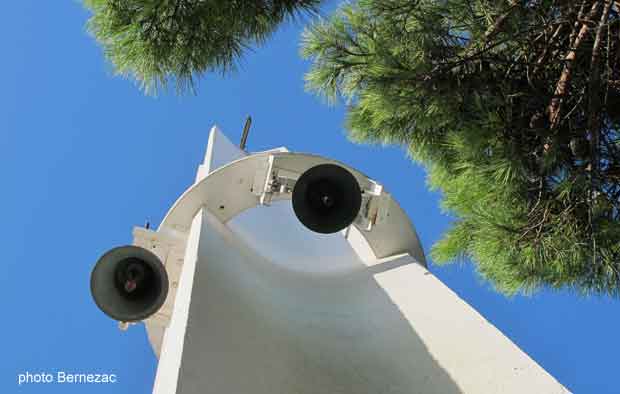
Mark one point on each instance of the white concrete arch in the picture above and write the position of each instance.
(228, 191)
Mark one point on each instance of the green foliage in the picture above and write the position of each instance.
(155, 41)
(513, 106)
(467, 88)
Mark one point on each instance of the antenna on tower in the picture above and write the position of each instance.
(246, 130)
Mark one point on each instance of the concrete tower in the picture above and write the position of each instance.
(259, 304)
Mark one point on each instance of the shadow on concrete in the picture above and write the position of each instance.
(294, 324)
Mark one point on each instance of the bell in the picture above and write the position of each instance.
(129, 283)
(326, 198)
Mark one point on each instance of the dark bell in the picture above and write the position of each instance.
(129, 283)
(327, 198)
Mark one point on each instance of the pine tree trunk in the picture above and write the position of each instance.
(561, 87)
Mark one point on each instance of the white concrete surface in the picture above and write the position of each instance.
(174, 336)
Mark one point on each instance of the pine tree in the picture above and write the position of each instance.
(156, 41)
(514, 109)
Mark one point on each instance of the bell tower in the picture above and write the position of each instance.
(282, 272)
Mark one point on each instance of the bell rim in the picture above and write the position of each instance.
(132, 251)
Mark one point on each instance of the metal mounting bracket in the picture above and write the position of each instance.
(171, 251)
(271, 182)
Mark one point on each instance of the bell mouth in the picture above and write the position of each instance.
(136, 279)
(326, 198)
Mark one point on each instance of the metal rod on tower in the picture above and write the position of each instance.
(246, 130)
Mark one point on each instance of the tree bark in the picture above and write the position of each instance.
(561, 87)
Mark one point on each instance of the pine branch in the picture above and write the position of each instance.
(594, 115)
(499, 22)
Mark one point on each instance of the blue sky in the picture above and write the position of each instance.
(86, 156)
